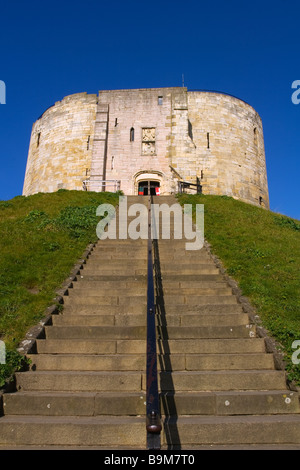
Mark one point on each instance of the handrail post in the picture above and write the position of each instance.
(153, 423)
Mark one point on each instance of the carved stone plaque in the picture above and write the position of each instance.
(148, 141)
(149, 134)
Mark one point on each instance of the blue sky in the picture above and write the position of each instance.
(249, 49)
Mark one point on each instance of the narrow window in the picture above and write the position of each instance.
(132, 134)
(207, 136)
(255, 136)
(88, 143)
(160, 100)
(112, 162)
(116, 122)
(190, 130)
(260, 200)
(38, 139)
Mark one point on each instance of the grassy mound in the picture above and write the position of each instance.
(42, 237)
(261, 251)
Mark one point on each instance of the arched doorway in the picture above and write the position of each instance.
(145, 179)
(146, 186)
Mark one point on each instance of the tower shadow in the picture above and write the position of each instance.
(167, 394)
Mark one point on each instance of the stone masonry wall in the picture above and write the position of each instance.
(146, 113)
(60, 149)
(230, 155)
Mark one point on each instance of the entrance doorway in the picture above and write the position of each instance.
(144, 187)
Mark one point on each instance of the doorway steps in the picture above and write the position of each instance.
(85, 389)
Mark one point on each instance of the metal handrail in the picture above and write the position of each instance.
(101, 183)
(153, 422)
(187, 184)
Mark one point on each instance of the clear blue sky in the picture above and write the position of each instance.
(249, 49)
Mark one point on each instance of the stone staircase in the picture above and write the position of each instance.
(86, 386)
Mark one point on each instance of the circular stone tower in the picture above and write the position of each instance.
(174, 135)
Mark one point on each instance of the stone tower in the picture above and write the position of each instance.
(121, 139)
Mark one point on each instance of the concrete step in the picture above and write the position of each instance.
(100, 320)
(88, 362)
(80, 308)
(81, 346)
(103, 300)
(125, 277)
(140, 320)
(139, 332)
(212, 362)
(211, 332)
(203, 346)
(165, 447)
(133, 346)
(95, 332)
(118, 249)
(142, 290)
(232, 430)
(133, 403)
(137, 362)
(105, 269)
(84, 320)
(75, 403)
(133, 270)
(231, 447)
(179, 299)
(165, 256)
(87, 291)
(213, 319)
(135, 381)
(222, 403)
(164, 264)
(103, 431)
(140, 300)
(215, 308)
(218, 290)
(114, 246)
(98, 262)
(192, 269)
(221, 380)
(93, 283)
(79, 381)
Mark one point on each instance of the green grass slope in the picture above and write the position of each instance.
(41, 238)
(261, 251)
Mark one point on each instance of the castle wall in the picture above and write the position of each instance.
(138, 111)
(163, 134)
(61, 143)
(230, 155)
